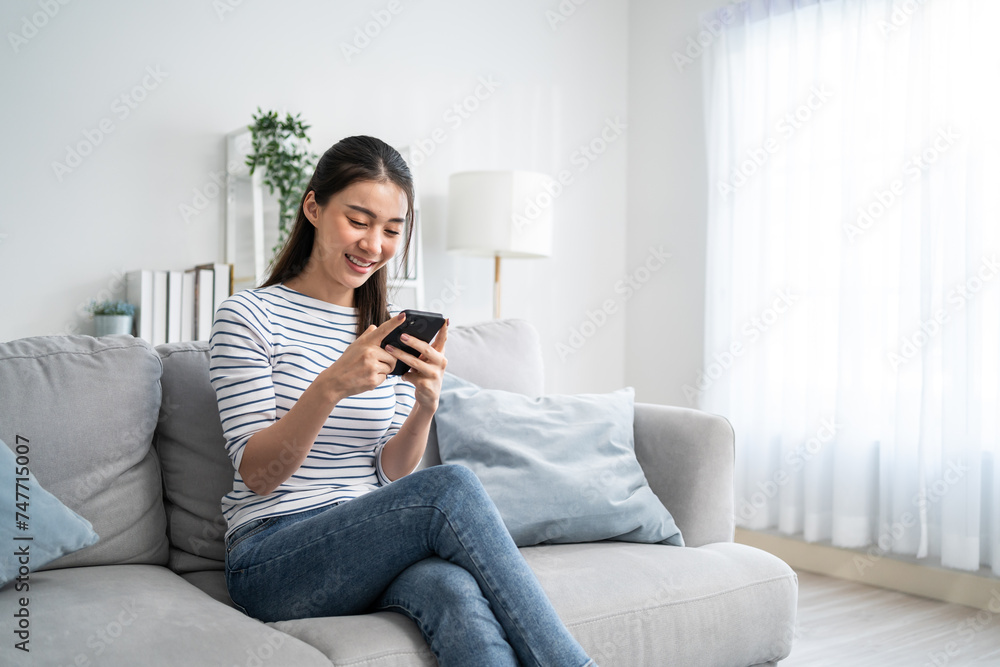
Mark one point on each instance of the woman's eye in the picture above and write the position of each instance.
(391, 232)
(355, 222)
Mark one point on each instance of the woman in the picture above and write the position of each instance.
(327, 516)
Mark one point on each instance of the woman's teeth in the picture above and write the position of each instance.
(355, 260)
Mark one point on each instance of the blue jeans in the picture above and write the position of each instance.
(430, 545)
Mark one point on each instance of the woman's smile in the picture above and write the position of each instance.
(359, 264)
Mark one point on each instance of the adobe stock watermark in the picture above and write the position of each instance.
(617, 648)
(588, 153)
(889, 535)
(209, 191)
(363, 35)
(585, 155)
(751, 332)
(450, 293)
(225, 7)
(794, 461)
(454, 117)
(630, 283)
(122, 107)
(105, 636)
(782, 644)
(883, 199)
(711, 30)
(967, 631)
(787, 127)
(562, 12)
(274, 472)
(902, 13)
(211, 543)
(959, 296)
(260, 654)
(30, 25)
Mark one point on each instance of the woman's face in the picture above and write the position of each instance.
(357, 232)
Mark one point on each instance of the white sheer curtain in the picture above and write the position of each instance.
(853, 309)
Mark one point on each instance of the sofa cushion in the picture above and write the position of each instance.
(34, 525)
(197, 473)
(126, 615)
(650, 604)
(560, 468)
(380, 639)
(87, 408)
(627, 604)
(499, 354)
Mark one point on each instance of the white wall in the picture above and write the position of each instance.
(66, 238)
(667, 200)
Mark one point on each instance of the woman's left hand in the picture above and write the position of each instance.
(427, 371)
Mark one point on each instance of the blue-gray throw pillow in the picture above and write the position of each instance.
(560, 468)
(36, 528)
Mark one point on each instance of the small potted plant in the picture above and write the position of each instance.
(111, 317)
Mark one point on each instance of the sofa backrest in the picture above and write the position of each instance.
(500, 354)
(196, 470)
(503, 354)
(86, 408)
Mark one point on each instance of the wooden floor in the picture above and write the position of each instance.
(846, 623)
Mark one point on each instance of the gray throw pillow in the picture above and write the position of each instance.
(560, 468)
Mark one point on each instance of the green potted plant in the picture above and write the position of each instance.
(279, 147)
(111, 317)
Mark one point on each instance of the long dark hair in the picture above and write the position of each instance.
(348, 161)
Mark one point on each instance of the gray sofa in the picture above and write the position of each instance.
(129, 437)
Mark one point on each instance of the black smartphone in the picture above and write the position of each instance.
(419, 324)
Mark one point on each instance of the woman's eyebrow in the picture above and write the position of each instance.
(362, 209)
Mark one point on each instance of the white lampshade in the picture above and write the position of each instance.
(500, 213)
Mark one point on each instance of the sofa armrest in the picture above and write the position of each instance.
(687, 456)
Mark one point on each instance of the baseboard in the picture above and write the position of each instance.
(970, 589)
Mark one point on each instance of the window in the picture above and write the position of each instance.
(853, 292)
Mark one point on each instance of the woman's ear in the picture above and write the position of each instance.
(310, 207)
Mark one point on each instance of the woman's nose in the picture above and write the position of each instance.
(370, 242)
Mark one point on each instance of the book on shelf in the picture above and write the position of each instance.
(187, 306)
(174, 303)
(213, 286)
(159, 308)
(178, 306)
(204, 299)
(139, 293)
(223, 284)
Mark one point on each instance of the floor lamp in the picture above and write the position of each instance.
(500, 214)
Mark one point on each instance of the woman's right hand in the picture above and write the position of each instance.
(364, 364)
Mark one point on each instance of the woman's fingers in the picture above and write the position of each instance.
(426, 350)
(424, 347)
(441, 338)
(425, 364)
(407, 358)
(380, 332)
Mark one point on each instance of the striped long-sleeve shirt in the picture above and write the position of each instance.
(267, 345)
